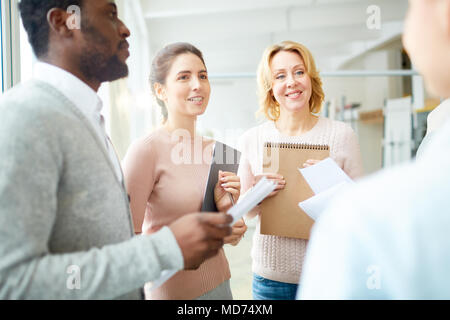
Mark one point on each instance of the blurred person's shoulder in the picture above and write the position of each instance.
(437, 118)
(406, 192)
(438, 147)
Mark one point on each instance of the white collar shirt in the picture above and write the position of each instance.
(84, 98)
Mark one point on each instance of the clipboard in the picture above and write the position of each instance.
(281, 215)
(225, 158)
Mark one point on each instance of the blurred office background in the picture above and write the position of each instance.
(368, 78)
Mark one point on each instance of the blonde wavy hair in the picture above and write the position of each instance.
(268, 105)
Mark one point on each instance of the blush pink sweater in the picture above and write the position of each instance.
(280, 258)
(166, 180)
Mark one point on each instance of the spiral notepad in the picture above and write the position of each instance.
(281, 215)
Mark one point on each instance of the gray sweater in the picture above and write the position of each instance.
(65, 223)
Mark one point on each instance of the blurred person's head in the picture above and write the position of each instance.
(427, 40)
(95, 51)
(179, 81)
(288, 79)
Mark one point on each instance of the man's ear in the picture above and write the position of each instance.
(160, 91)
(57, 20)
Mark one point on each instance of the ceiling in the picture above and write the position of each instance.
(233, 34)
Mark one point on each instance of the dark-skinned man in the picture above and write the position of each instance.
(65, 224)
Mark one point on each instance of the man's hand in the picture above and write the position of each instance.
(200, 236)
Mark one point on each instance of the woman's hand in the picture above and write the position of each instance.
(310, 163)
(238, 231)
(228, 185)
(274, 177)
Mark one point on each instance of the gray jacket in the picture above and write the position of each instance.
(65, 223)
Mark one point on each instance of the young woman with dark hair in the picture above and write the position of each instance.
(166, 172)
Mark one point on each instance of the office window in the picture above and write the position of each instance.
(2, 21)
(10, 44)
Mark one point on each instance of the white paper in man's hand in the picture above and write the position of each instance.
(251, 199)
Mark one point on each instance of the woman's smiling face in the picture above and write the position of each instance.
(291, 84)
(187, 89)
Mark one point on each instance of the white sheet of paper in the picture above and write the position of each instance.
(324, 175)
(254, 196)
(315, 205)
(251, 199)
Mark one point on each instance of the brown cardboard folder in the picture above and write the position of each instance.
(281, 215)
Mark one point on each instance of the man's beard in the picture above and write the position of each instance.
(94, 63)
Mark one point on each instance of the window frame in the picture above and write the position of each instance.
(10, 43)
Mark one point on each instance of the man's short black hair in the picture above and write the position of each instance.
(34, 18)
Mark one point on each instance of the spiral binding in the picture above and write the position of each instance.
(303, 146)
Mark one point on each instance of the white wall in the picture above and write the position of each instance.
(231, 110)
(372, 93)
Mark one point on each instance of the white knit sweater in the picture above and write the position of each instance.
(279, 258)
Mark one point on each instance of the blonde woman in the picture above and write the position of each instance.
(290, 97)
(166, 172)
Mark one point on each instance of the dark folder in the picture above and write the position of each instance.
(225, 158)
